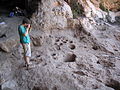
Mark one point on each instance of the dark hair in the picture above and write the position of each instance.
(26, 20)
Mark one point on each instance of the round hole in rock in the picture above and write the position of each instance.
(95, 47)
(98, 62)
(61, 44)
(71, 41)
(38, 56)
(64, 41)
(72, 46)
(50, 36)
(53, 54)
(70, 58)
(95, 86)
(115, 50)
(57, 40)
(36, 88)
(55, 88)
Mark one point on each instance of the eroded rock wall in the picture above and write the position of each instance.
(84, 56)
(52, 14)
(56, 13)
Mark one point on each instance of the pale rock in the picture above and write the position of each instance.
(52, 14)
(8, 45)
(37, 41)
(112, 16)
(9, 84)
(72, 23)
(4, 48)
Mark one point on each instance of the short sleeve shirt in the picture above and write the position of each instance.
(22, 31)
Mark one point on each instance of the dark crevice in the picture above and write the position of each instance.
(2, 36)
(70, 58)
(33, 7)
(72, 47)
(30, 6)
(10, 4)
(113, 84)
(36, 88)
(0, 87)
(79, 73)
(95, 47)
(40, 88)
(76, 7)
(55, 88)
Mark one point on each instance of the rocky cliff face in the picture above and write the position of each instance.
(51, 14)
(56, 14)
(68, 54)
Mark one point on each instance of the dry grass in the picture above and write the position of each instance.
(112, 5)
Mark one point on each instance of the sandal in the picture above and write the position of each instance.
(30, 65)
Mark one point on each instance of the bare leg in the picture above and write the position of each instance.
(27, 60)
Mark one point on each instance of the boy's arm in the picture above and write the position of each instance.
(27, 30)
(26, 33)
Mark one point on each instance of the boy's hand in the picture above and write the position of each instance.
(28, 26)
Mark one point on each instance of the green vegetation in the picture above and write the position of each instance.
(77, 9)
(103, 7)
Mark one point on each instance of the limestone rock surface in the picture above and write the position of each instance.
(83, 56)
(52, 14)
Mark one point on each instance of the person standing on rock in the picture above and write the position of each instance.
(23, 30)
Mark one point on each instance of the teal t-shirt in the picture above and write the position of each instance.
(23, 39)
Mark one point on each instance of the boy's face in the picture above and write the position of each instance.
(26, 24)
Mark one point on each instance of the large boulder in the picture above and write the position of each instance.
(7, 45)
(51, 14)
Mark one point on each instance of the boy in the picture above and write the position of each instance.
(23, 30)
